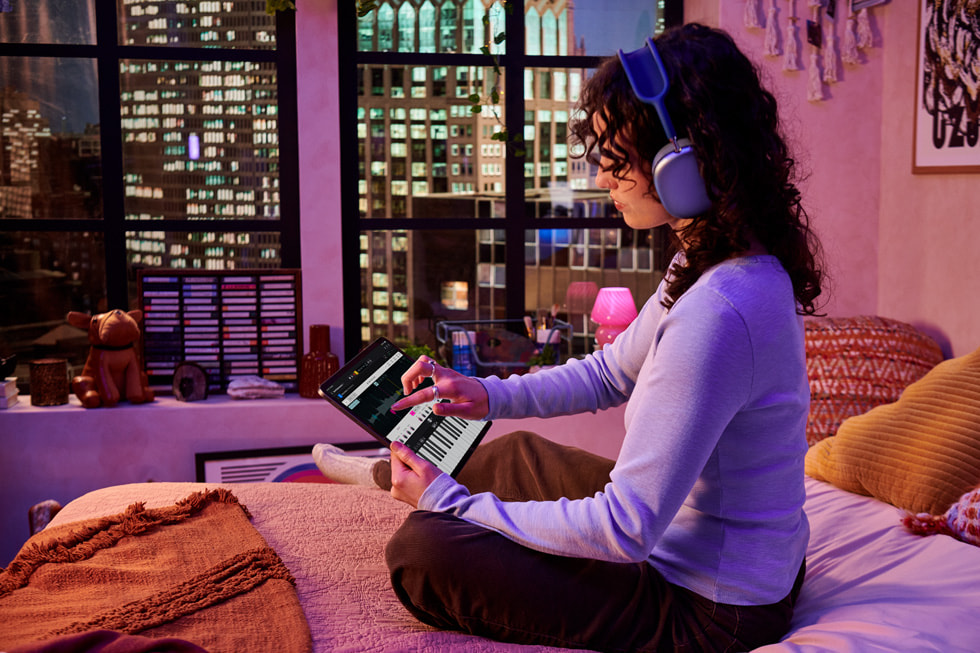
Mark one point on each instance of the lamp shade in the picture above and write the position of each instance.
(613, 310)
(614, 306)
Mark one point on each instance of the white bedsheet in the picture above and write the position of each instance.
(870, 585)
(873, 586)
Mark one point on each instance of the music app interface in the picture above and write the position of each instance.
(373, 385)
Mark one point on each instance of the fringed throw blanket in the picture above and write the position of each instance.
(196, 570)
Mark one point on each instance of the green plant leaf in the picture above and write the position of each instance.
(364, 7)
(272, 6)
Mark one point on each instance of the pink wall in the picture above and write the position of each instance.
(896, 244)
(929, 267)
(837, 144)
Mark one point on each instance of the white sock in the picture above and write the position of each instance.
(338, 466)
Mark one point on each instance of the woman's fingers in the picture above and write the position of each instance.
(420, 370)
(459, 395)
(423, 396)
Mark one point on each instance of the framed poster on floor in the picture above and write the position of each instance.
(273, 465)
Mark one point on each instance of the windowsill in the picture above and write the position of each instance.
(168, 402)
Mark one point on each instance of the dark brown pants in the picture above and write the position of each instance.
(459, 576)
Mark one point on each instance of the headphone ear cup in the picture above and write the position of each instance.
(678, 181)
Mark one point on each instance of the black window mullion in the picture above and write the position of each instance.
(110, 129)
(514, 172)
(286, 101)
(350, 219)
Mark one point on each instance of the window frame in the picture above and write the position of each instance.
(516, 220)
(107, 52)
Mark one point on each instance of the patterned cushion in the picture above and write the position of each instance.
(920, 453)
(857, 363)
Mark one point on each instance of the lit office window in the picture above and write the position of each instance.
(427, 27)
(406, 28)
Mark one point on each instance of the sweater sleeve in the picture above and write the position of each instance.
(693, 378)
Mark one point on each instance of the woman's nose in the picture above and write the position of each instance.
(604, 179)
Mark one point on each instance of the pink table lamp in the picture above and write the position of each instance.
(613, 311)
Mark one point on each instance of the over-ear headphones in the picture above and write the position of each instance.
(675, 167)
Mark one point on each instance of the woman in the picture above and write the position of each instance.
(694, 539)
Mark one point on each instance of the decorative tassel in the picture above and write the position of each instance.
(864, 38)
(814, 89)
(771, 47)
(961, 520)
(849, 53)
(752, 13)
(925, 524)
(791, 58)
(830, 53)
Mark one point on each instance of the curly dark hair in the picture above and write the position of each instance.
(716, 98)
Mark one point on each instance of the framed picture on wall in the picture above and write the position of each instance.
(947, 110)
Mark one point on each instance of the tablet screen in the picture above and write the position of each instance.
(367, 386)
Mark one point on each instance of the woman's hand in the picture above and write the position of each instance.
(410, 474)
(467, 396)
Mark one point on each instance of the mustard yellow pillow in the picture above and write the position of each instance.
(920, 453)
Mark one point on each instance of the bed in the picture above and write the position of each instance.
(316, 549)
(871, 585)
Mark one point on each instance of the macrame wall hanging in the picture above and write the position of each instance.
(791, 57)
(826, 51)
(814, 36)
(771, 45)
(830, 45)
(752, 13)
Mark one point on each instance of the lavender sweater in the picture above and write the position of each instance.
(708, 486)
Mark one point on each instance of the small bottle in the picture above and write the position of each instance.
(319, 364)
(462, 353)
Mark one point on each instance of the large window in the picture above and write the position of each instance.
(444, 217)
(137, 134)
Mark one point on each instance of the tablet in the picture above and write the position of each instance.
(365, 388)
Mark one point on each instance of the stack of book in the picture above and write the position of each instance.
(9, 395)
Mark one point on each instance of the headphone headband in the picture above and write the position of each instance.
(648, 77)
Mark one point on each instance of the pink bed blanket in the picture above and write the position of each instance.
(870, 585)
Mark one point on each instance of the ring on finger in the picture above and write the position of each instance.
(432, 368)
(435, 393)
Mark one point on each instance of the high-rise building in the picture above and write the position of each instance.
(430, 146)
(200, 138)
